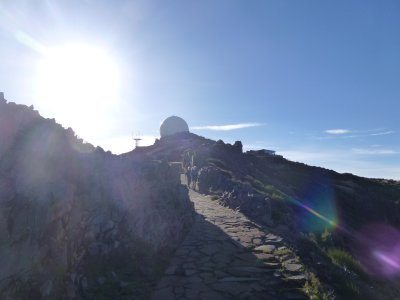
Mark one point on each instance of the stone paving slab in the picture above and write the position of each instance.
(226, 256)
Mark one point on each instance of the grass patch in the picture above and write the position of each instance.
(346, 261)
(283, 251)
(268, 189)
(314, 289)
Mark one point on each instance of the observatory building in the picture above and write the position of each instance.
(172, 125)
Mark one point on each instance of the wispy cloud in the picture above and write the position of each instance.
(227, 127)
(349, 134)
(374, 151)
(383, 133)
(369, 134)
(337, 131)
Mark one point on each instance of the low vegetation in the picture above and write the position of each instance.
(282, 251)
(270, 190)
(314, 289)
(345, 260)
(216, 162)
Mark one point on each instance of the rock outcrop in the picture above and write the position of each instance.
(77, 222)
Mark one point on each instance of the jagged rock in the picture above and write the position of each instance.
(238, 146)
(211, 179)
(69, 210)
(244, 198)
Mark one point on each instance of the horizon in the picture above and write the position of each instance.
(314, 82)
(150, 142)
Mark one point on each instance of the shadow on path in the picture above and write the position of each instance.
(225, 256)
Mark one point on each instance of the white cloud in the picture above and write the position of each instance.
(383, 133)
(349, 134)
(374, 151)
(226, 127)
(337, 131)
(369, 134)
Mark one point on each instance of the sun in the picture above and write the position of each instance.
(77, 84)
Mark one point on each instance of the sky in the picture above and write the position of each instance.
(317, 81)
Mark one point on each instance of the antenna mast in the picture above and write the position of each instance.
(137, 139)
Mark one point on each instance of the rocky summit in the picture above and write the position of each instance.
(77, 222)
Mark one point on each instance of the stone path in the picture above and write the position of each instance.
(226, 256)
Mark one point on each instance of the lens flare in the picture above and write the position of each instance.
(318, 212)
(377, 246)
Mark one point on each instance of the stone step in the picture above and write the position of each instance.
(266, 257)
(265, 248)
(296, 280)
(293, 267)
(271, 265)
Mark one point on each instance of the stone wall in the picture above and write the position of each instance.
(235, 194)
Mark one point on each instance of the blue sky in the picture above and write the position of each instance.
(318, 81)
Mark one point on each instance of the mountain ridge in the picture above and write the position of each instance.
(74, 206)
(312, 207)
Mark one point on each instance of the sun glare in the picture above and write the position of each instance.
(77, 84)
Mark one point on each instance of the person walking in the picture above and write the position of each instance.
(188, 173)
(194, 176)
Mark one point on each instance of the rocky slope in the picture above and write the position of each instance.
(326, 216)
(77, 222)
(80, 223)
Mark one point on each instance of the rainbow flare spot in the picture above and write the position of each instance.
(319, 212)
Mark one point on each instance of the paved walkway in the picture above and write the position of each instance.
(226, 256)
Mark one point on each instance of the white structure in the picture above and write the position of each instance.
(268, 152)
(172, 125)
